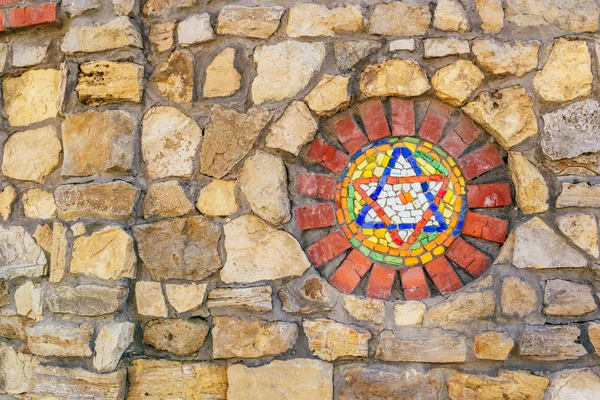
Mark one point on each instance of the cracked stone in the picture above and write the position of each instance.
(60, 340)
(175, 77)
(117, 33)
(110, 344)
(19, 254)
(582, 229)
(351, 52)
(293, 130)
(330, 340)
(182, 337)
(450, 15)
(185, 297)
(253, 22)
(86, 300)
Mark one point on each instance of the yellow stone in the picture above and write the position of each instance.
(222, 78)
(329, 96)
(393, 77)
(456, 82)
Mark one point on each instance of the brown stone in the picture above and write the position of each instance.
(39, 204)
(456, 82)
(161, 35)
(578, 195)
(361, 309)
(307, 295)
(222, 78)
(493, 345)
(249, 299)
(329, 96)
(594, 335)
(462, 307)
(86, 300)
(167, 199)
(551, 343)
(155, 8)
(568, 298)
(330, 340)
(182, 337)
(421, 345)
(175, 77)
(491, 14)
(43, 237)
(58, 252)
(531, 190)
(15, 326)
(253, 22)
(8, 195)
(393, 77)
(450, 15)
(399, 19)
(500, 58)
(293, 130)
(508, 385)
(107, 82)
(518, 297)
(312, 20)
(150, 300)
(60, 340)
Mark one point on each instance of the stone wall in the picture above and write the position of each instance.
(194, 199)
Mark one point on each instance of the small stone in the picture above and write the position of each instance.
(217, 199)
(583, 165)
(399, 19)
(182, 337)
(551, 343)
(228, 137)
(43, 237)
(150, 300)
(156, 8)
(75, 8)
(185, 297)
(307, 295)
(240, 338)
(293, 130)
(313, 20)
(181, 248)
(175, 77)
(110, 344)
(567, 74)
(531, 190)
(430, 346)
(8, 195)
(195, 29)
(518, 297)
(58, 252)
(222, 78)
(250, 299)
(491, 14)
(409, 313)
(123, 7)
(29, 53)
(456, 82)
(402, 44)
(571, 15)
(293, 379)
(161, 35)
(15, 327)
(16, 370)
(19, 254)
(508, 385)
(504, 58)
(351, 52)
(493, 345)
(4, 294)
(78, 229)
(462, 307)
(330, 340)
(363, 382)
(170, 140)
(29, 301)
(566, 298)
(106, 82)
(31, 155)
(444, 47)
(167, 199)
(3, 56)
(86, 300)
(450, 15)
(582, 229)
(109, 133)
(32, 97)
(253, 22)
(329, 96)
(393, 77)
(506, 114)
(578, 195)
(538, 246)
(257, 252)
(594, 335)
(114, 34)
(580, 385)
(39, 204)
(360, 309)
(60, 340)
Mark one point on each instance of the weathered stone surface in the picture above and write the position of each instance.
(567, 74)
(75, 8)
(167, 199)
(330, 340)
(538, 246)
(571, 15)
(43, 237)
(462, 307)
(493, 345)
(329, 96)
(39, 204)
(580, 385)
(504, 58)
(114, 34)
(351, 52)
(506, 114)
(518, 297)
(174, 379)
(293, 379)
(123, 7)
(531, 190)
(491, 14)
(185, 297)
(444, 47)
(284, 69)
(195, 29)
(58, 251)
(582, 229)
(182, 337)
(307, 295)
(161, 35)
(150, 300)
(399, 19)
(4, 294)
(361, 309)
(568, 298)
(107, 82)
(170, 140)
(182, 248)
(240, 338)
(60, 340)
(16, 370)
(8, 195)
(293, 130)
(110, 344)
(32, 97)
(15, 326)
(19, 254)
(578, 195)
(508, 385)
(551, 343)
(250, 299)
(222, 78)
(175, 77)
(409, 313)
(3, 55)
(31, 155)
(228, 137)
(155, 8)
(78, 229)
(402, 44)
(435, 346)
(393, 78)
(594, 335)
(311, 20)
(87, 300)
(456, 82)
(29, 300)
(253, 22)
(450, 15)
(256, 252)
(29, 52)
(217, 199)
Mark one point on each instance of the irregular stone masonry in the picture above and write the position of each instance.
(226, 200)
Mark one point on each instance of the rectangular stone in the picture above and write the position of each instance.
(422, 345)
(60, 340)
(108, 82)
(579, 195)
(551, 343)
(257, 298)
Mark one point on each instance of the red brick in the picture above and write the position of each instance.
(33, 15)
(349, 134)
(380, 282)
(480, 161)
(7, 2)
(453, 144)
(414, 283)
(485, 227)
(435, 121)
(350, 272)
(403, 117)
(328, 156)
(374, 119)
(327, 248)
(467, 130)
(2, 19)
(443, 275)
(327, 187)
(489, 195)
(316, 185)
(467, 257)
(315, 216)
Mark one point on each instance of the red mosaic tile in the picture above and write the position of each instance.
(403, 117)
(33, 15)
(327, 248)
(316, 185)
(480, 161)
(328, 156)
(467, 130)
(349, 134)
(380, 282)
(485, 227)
(315, 216)
(489, 195)
(414, 283)
(467, 257)
(435, 120)
(453, 144)
(374, 119)
(350, 272)
(443, 275)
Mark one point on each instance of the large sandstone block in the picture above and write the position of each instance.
(108, 82)
(310, 20)
(167, 199)
(580, 194)
(566, 298)
(19, 254)
(175, 77)
(422, 345)
(110, 344)
(254, 22)
(182, 337)
(503, 58)
(575, 384)
(252, 299)
(398, 18)
(462, 307)
(507, 385)
(571, 15)
(551, 343)
(293, 130)
(114, 34)
(86, 300)
(222, 78)
(330, 340)
(393, 77)
(531, 190)
(16, 370)
(450, 15)
(60, 340)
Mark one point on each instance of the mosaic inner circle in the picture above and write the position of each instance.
(401, 201)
